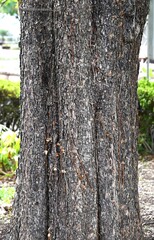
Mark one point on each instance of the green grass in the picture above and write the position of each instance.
(6, 194)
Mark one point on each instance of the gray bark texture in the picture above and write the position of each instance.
(77, 177)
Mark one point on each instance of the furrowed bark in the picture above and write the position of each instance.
(115, 78)
(72, 163)
(77, 175)
(31, 204)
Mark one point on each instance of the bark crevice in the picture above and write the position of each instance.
(98, 201)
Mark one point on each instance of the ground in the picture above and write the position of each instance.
(146, 194)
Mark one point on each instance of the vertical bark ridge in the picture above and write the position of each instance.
(115, 81)
(94, 70)
(76, 184)
(72, 185)
(78, 168)
(31, 204)
(98, 200)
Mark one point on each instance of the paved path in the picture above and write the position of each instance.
(9, 63)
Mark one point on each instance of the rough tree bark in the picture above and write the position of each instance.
(77, 175)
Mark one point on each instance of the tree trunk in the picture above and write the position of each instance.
(77, 175)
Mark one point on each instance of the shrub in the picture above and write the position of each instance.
(9, 149)
(3, 33)
(9, 104)
(146, 115)
(9, 116)
(6, 194)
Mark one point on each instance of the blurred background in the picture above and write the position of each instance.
(9, 40)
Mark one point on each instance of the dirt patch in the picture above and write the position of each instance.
(146, 195)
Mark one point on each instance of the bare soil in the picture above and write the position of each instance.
(146, 196)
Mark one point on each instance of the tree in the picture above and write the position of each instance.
(77, 175)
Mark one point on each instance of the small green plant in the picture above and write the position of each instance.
(4, 32)
(146, 94)
(9, 104)
(13, 88)
(146, 115)
(9, 149)
(7, 194)
(144, 70)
